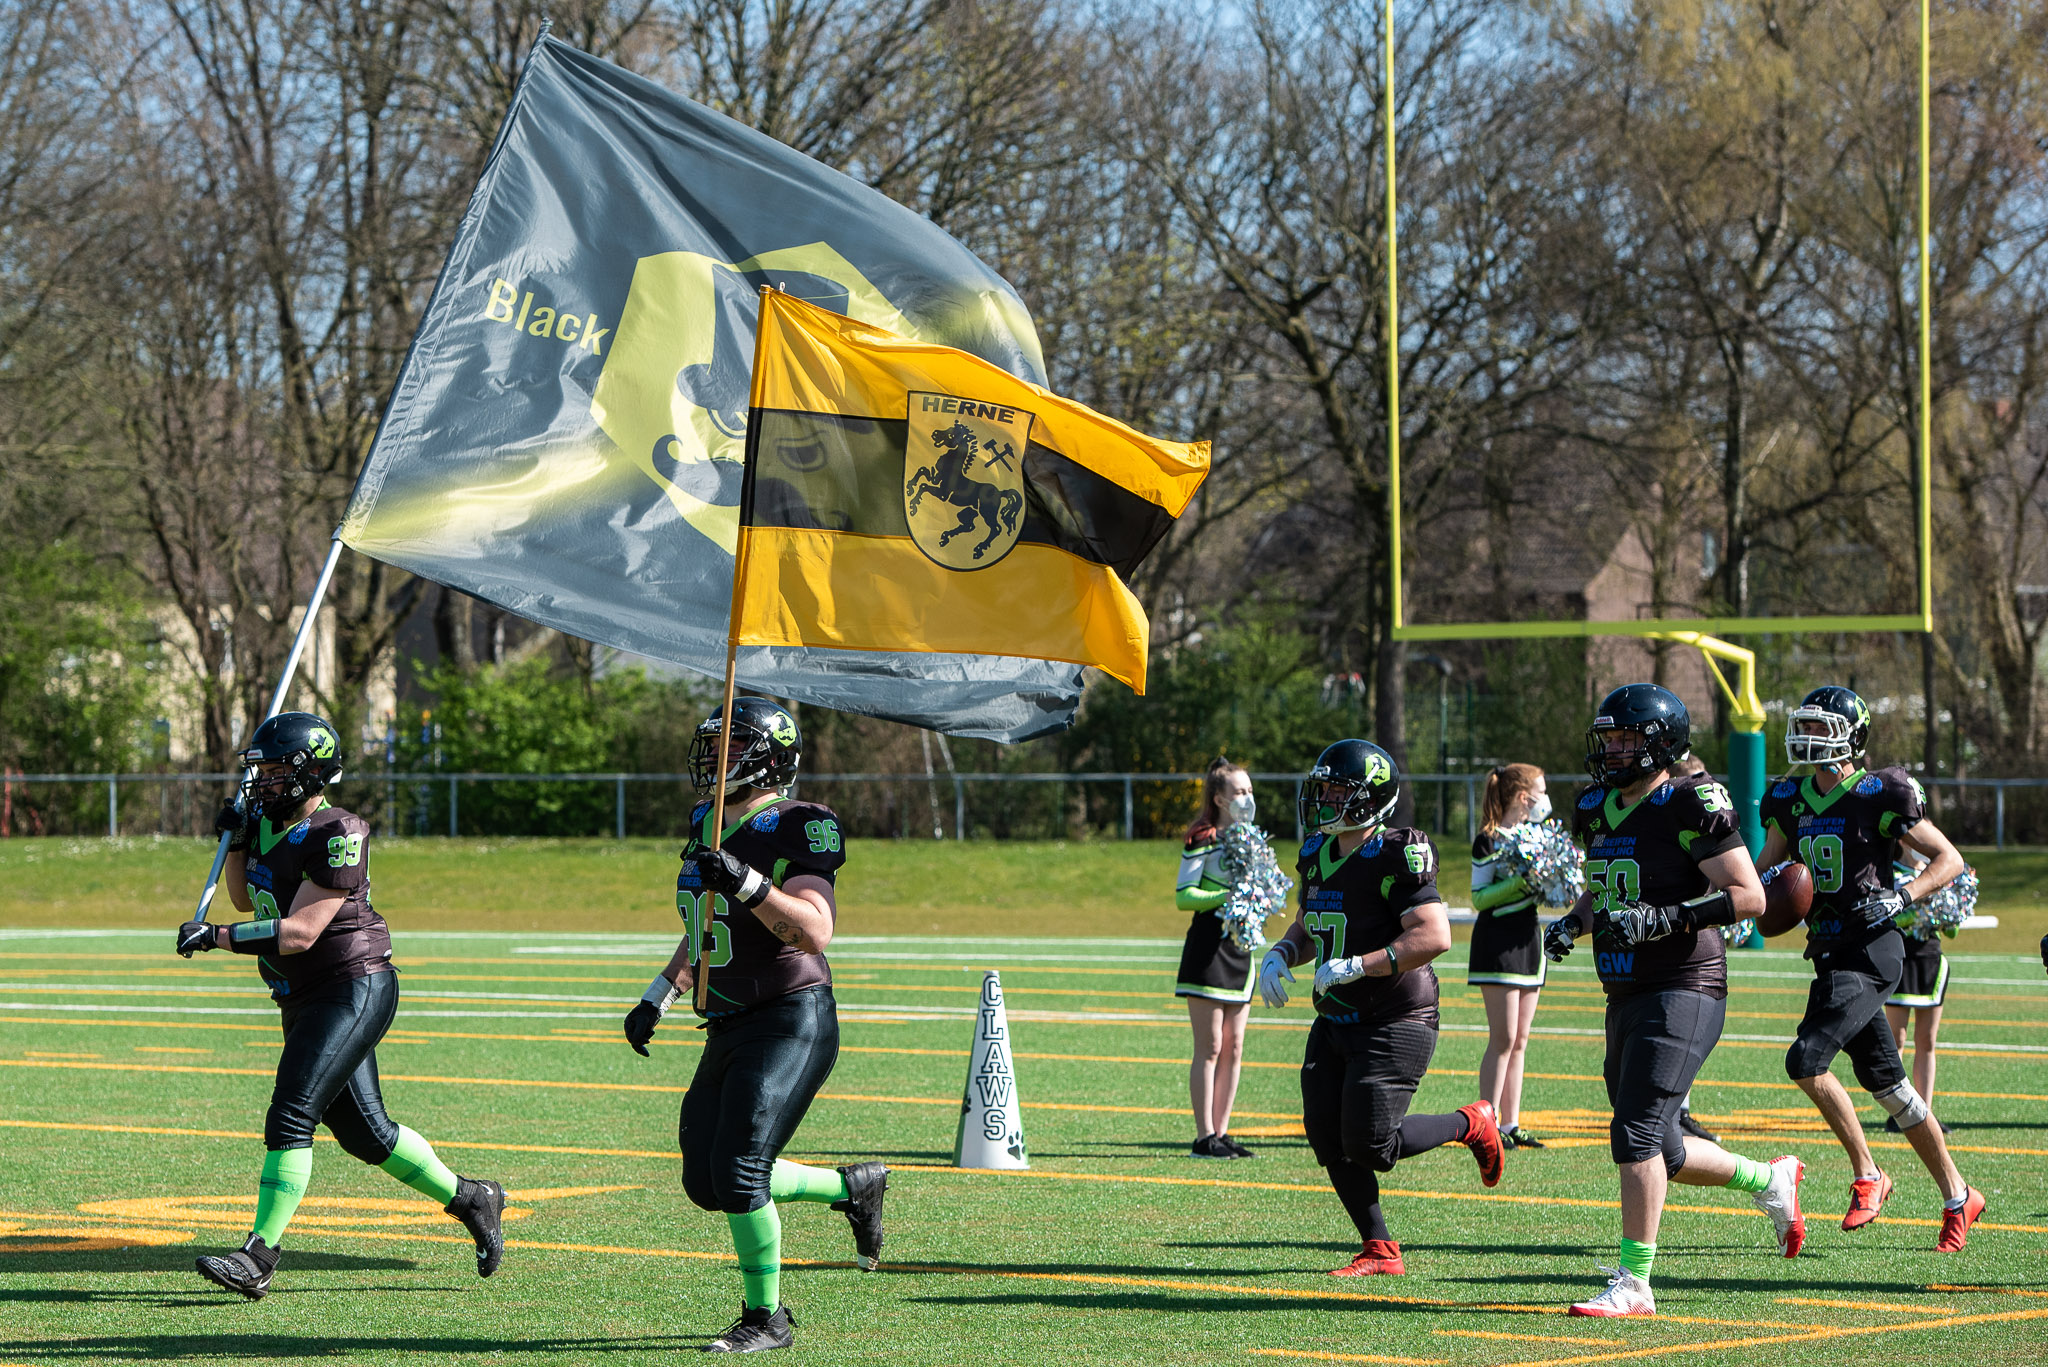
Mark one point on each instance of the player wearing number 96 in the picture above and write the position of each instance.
(301, 867)
(1665, 868)
(1846, 823)
(757, 915)
(1372, 918)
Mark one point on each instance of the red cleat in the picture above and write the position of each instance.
(1866, 1198)
(1381, 1258)
(1955, 1224)
(1482, 1136)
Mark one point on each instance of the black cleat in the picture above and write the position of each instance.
(246, 1271)
(1232, 1147)
(1693, 1127)
(1209, 1146)
(866, 1185)
(757, 1329)
(478, 1203)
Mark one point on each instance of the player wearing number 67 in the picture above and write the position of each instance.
(300, 867)
(1372, 920)
(757, 914)
(1846, 823)
(1665, 869)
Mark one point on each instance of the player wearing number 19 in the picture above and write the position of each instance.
(1371, 915)
(1665, 869)
(757, 914)
(301, 867)
(1846, 825)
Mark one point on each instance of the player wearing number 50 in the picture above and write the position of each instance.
(301, 867)
(1665, 868)
(1846, 825)
(1371, 916)
(757, 914)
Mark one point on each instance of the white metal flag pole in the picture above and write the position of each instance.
(284, 683)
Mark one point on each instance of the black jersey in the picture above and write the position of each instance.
(781, 838)
(1352, 904)
(331, 849)
(1651, 852)
(1847, 837)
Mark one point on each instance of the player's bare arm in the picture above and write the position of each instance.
(1777, 849)
(1425, 933)
(1944, 861)
(1733, 872)
(297, 931)
(800, 913)
(234, 876)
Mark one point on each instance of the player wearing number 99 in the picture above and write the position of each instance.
(1371, 916)
(301, 867)
(1665, 868)
(758, 913)
(1846, 825)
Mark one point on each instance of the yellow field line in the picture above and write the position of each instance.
(1343, 1357)
(1855, 1331)
(1868, 1305)
(1521, 1338)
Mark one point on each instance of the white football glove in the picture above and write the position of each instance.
(1339, 971)
(1272, 969)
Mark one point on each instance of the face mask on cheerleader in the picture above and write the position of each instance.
(1242, 809)
(1539, 807)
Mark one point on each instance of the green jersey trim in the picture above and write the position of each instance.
(704, 826)
(1820, 801)
(1323, 861)
(1616, 813)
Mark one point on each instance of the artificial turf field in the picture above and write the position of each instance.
(132, 1087)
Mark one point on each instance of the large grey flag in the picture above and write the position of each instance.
(566, 438)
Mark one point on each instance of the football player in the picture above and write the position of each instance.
(1665, 869)
(1372, 920)
(757, 915)
(301, 868)
(1846, 824)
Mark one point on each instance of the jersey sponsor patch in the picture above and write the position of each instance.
(1662, 795)
(767, 821)
(1785, 787)
(1590, 799)
(1870, 785)
(297, 834)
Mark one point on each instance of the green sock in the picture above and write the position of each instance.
(412, 1162)
(1750, 1175)
(285, 1174)
(1637, 1258)
(795, 1182)
(757, 1238)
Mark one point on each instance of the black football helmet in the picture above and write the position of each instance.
(1353, 787)
(1845, 723)
(766, 747)
(301, 740)
(1656, 715)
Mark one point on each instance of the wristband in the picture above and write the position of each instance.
(661, 994)
(253, 937)
(1715, 908)
(1393, 964)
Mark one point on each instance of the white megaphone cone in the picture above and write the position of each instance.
(991, 1117)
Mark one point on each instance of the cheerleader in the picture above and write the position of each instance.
(1215, 971)
(1507, 963)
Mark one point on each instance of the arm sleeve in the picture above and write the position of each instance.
(337, 855)
(1709, 818)
(1412, 883)
(1903, 805)
(1196, 891)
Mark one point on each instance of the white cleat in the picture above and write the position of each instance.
(1780, 1201)
(1626, 1294)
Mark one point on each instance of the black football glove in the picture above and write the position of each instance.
(647, 1013)
(237, 826)
(740, 883)
(1882, 908)
(1558, 937)
(194, 936)
(1635, 923)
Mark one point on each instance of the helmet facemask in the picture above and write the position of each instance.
(1336, 805)
(1834, 744)
(1620, 766)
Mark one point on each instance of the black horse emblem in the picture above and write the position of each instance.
(950, 479)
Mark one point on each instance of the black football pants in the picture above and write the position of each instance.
(755, 1082)
(327, 1073)
(1656, 1042)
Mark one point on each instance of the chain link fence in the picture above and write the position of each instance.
(940, 806)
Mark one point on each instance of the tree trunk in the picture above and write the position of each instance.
(455, 629)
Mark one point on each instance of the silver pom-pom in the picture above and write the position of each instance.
(1737, 935)
(1257, 887)
(1942, 911)
(1543, 853)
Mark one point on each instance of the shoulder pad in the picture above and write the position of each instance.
(1591, 798)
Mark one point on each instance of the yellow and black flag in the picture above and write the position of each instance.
(907, 497)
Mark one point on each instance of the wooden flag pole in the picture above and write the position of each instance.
(701, 994)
